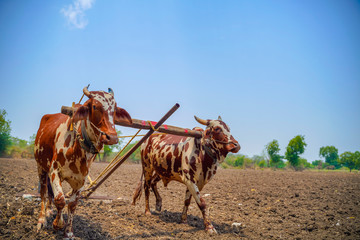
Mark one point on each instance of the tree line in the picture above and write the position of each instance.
(13, 146)
(270, 158)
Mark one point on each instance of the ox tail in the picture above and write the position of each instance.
(138, 190)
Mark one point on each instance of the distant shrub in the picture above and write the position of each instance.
(262, 164)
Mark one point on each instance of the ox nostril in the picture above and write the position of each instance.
(236, 147)
(108, 137)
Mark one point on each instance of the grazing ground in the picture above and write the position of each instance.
(268, 204)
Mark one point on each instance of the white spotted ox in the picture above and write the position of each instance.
(187, 160)
(65, 154)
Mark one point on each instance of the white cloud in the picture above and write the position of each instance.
(75, 13)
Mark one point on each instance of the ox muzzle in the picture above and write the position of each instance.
(109, 139)
(233, 146)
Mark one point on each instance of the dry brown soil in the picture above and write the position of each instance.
(268, 204)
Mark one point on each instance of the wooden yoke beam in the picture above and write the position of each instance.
(141, 124)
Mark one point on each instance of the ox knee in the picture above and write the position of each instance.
(202, 205)
(59, 201)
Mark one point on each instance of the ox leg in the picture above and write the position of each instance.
(186, 206)
(69, 232)
(154, 181)
(59, 200)
(50, 199)
(147, 195)
(43, 188)
(147, 184)
(194, 190)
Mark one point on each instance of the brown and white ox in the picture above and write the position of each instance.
(192, 161)
(65, 154)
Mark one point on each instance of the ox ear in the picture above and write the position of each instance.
(81, 113)
(121, 115)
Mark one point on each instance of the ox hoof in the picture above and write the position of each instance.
(40, 225)
(58, 225)
(147, 212)
(211, 230)
(184, 220)
(68, 234)
(49, 212)
(158, 208)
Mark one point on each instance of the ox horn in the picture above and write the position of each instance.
(111, 91)
(219, 118)
(86, 92)
(201, 121)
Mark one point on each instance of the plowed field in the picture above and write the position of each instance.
(266, 204)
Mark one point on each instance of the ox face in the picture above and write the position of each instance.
(101, 110)
(218, 134)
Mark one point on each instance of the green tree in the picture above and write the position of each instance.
(273, 149)
(108, 149)
(135, 156)
(318, 164)
(239, 161)
(348, 159)
(330, 153)
(21, 143)
(18, 148)
(295, 148)
(259, 161)
(31, 144)
(357, 159)
(262, 164)
(5, 129)
(303, 163)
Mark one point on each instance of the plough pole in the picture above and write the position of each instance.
(127, 155)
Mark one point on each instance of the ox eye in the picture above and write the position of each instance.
(94, 107)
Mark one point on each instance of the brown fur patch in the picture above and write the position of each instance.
(176, 152)
(60, 158)
(83, 168)
(67, 141)
(73, 168)
(177, 165)
(186, 146)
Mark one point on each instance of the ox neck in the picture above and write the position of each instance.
(88, 144)
(212, 151)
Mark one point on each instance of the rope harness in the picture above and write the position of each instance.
(84, 139)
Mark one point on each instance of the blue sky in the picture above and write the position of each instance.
(271, 69)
